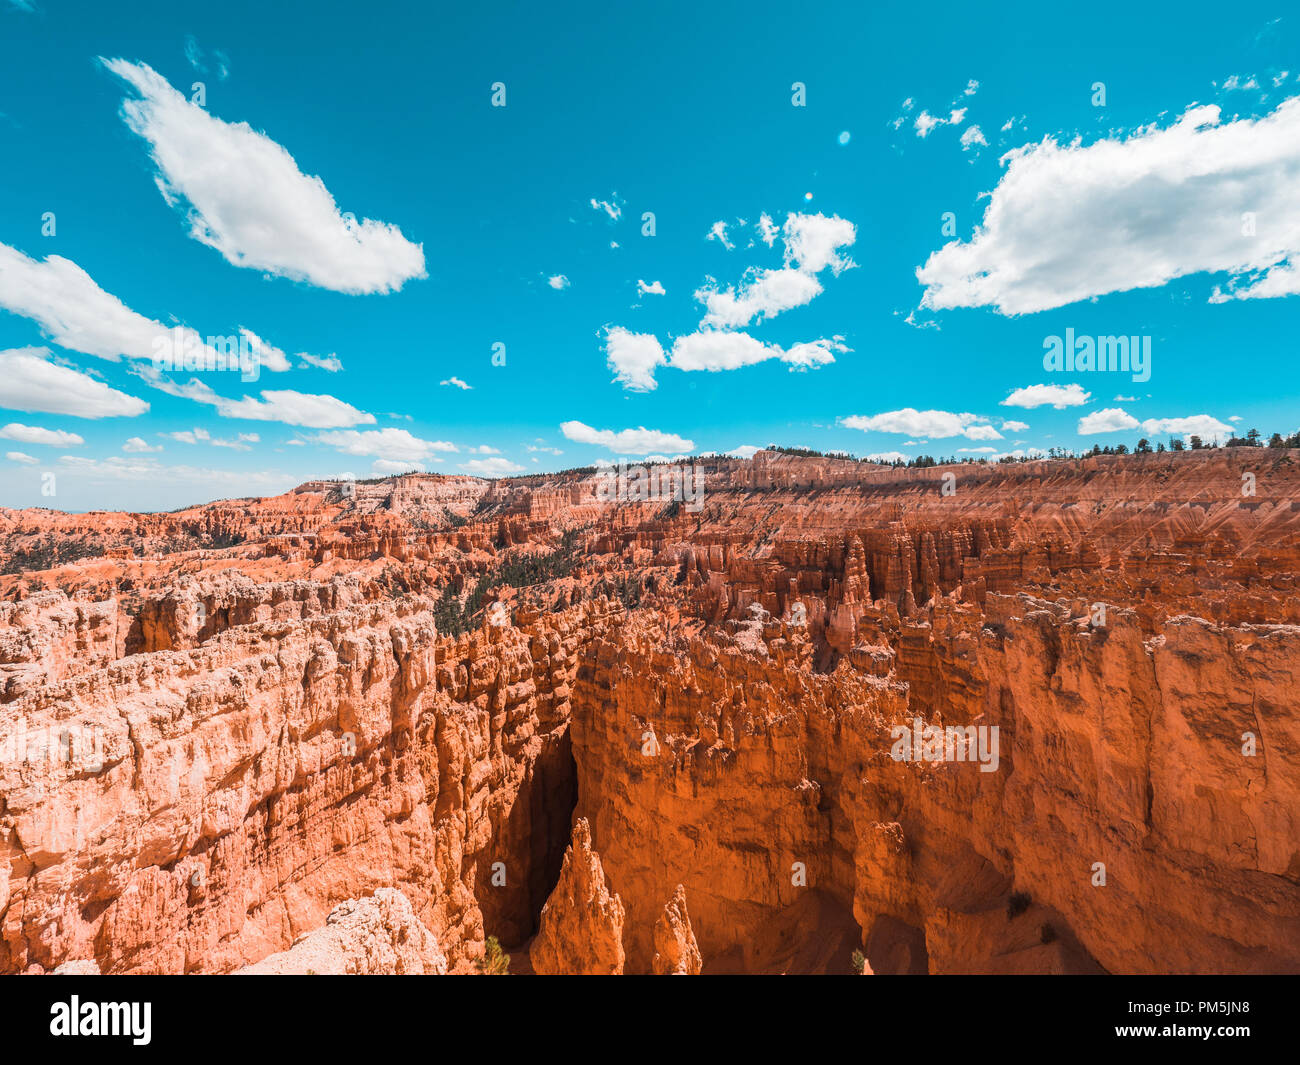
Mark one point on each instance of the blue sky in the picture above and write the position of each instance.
(801, 321)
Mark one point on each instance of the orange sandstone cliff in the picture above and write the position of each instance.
(368, 727)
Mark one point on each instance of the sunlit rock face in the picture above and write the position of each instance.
(1038, 718)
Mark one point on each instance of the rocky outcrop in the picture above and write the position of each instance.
(676, 952)
(376, 936)
(581, 930)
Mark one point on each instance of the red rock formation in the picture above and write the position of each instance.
(376, 936)
(676, 952)
(218, 725)
(582, 923)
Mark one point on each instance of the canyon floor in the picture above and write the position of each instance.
(374, 727)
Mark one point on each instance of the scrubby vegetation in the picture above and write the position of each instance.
(452, 616)
(495, 961)
(48, 553)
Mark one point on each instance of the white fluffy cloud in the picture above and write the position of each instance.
(247, 198)
(30, 381)
(21, 456)
(633, 357)
(1109, 420)
(394, 444)
(714, 350)
(32, 434)
(1014, 427)
(934, 424)
(745, 451)
(1116, 419)
(887, 457)
(136, 445)
(456, 382)
(74, 312)
(972, 136)
(763, 294)
(812, 242)
(640, 441)
(654, 288)
(1058, 396)
(497, 467)
(559, 281)
(1074, 221)
(1192, 425)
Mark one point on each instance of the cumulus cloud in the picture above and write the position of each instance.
(812, 242)
(394, 444)
(1192, 425)
(32, 434)
(1071, 222)
(30, 381)
(716, 350)
(21, 456)
(497, 467)
(655, 288)
(763, 294)
(1058, 396)
(559, 281)
(641, 441)
(933, 424)
(246, 197)
(456, 382)
(1014, 427)
(633, 357)
(136, 445)
(1109, 420)
(972, 136)
(745, 451)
